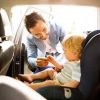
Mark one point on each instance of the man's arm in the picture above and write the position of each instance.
(31, 51)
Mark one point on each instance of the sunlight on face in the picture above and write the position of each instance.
(71, 55)
(40, 31)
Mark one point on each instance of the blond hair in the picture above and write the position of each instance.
(73, 43)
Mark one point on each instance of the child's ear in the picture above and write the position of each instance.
(75, 53)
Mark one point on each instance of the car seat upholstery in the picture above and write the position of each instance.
(90, 65)
(12, 89)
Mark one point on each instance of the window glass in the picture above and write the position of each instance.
(75, 19)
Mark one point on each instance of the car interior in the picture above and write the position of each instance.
(13, 53)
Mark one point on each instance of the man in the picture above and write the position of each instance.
(43, 36)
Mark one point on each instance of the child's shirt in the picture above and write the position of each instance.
(70, 71)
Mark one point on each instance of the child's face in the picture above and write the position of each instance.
(71, 55)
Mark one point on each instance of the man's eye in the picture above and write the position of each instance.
(37, 34)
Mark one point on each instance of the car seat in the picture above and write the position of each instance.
(90, 65)
(89, 86)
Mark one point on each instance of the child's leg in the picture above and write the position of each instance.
(44, 74)
(42, 84)
(40, 75)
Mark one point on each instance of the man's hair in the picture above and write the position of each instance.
(31, 20)
(73, 43)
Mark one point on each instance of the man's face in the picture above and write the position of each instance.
(40, 30)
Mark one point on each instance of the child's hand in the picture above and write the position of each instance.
(54, 62)
(50, 58)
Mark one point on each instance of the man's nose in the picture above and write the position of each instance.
(43, 34)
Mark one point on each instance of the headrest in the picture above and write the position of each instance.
(90, 37)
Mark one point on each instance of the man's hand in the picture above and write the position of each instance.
(41, 62)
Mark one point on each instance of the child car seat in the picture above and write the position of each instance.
(90, 64)
(90, 70)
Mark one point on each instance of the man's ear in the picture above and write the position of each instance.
(30, 30)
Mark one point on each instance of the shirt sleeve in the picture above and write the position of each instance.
(61, 32)
(56, 27)
(31, 51)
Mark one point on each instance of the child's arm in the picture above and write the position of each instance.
(72, 83)
(54, 62)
